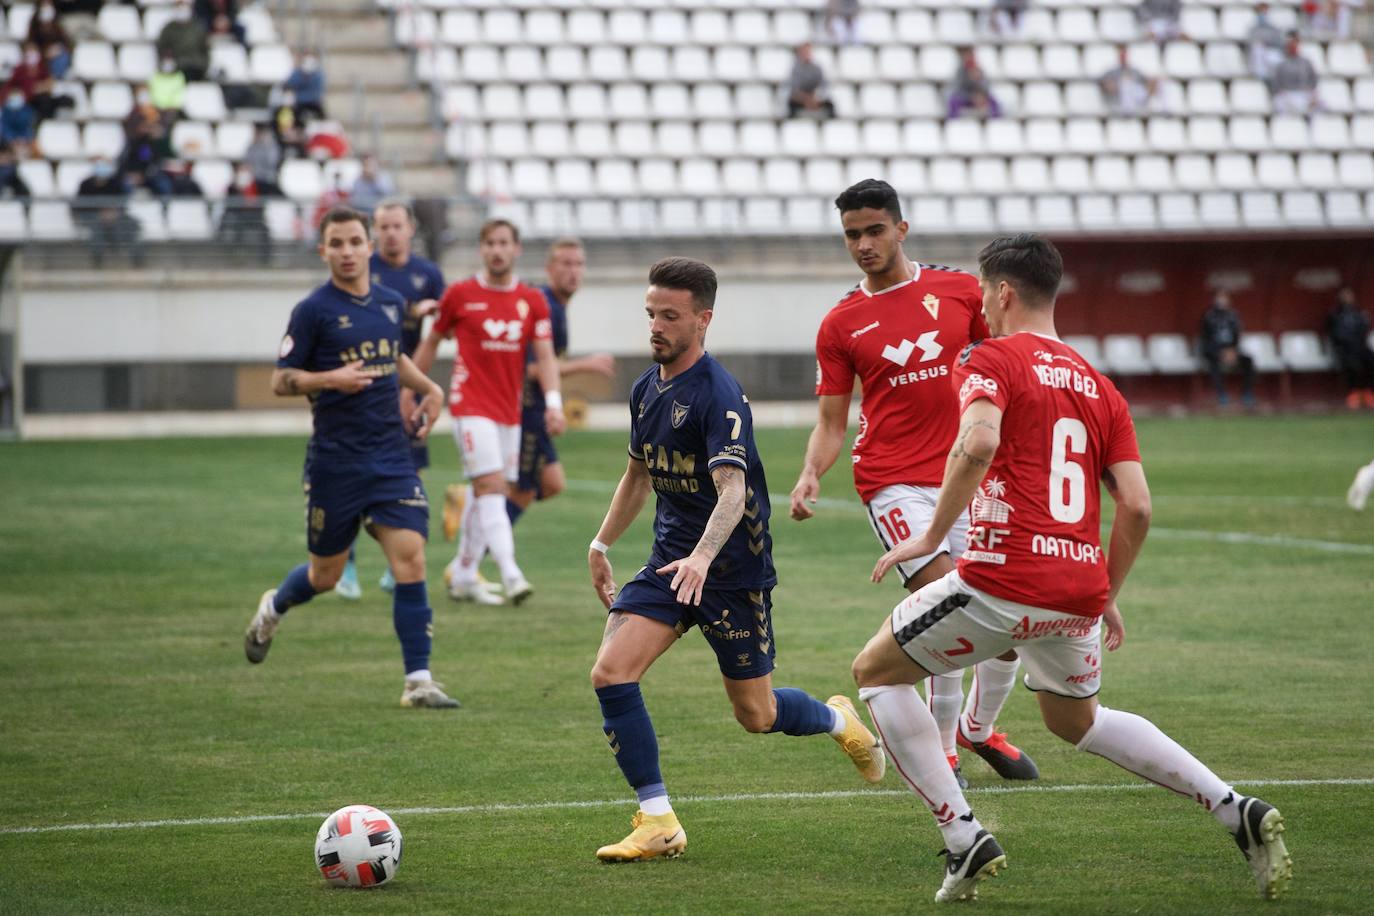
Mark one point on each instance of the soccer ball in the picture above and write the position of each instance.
(358, 846)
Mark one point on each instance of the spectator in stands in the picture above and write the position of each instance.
(100, 207)
(1265, 45)
(143, 115)
(1331, 18)
(31, 77)
(220, 18)
(46, 31)
(287, 126)
(807, 88)
(1125, 90)
(11, 185)
(1220, 345)
(1348, 329)
(243, 223)
(167, 88)
(144, 153)
(17, 120)
(335, 195)
(263, 158)
(177, 181)
(184, 40)
(371, 187)
(1006, 17)
(1161, 19)
(1294, 85)
(841, 21)
(969, 92)
(307, 83)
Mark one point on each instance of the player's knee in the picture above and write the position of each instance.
(604, 675)
(865, 669)
(323, 579)
(1068, 724)
(552, 487)
(756, 720)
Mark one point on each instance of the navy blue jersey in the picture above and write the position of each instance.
(331, 328)
(532, 401)
(681, 430)
(415, 280)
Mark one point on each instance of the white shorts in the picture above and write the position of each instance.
(488, 447)
(900, 512)
(949, 625)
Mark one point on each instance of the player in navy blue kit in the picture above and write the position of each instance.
(420, 283)
(342, 349)
(541, 473)
(692, 444)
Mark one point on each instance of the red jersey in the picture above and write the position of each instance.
(901, 343)
(1035, 531)
(492, 327)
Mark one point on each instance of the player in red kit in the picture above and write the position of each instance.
(899, 331)
(1039, 428)
(492, 317)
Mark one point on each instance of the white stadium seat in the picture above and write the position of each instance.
(1260, 209)
(270, 63)
(1124, 354)
(137, 62)
(1171, 354)
(1087, 347)
(51, 220)
(111, 100)
(14, 221)
(1302, 351)
(102, 138)
(119, 23)
(38, 175)
(94, 60)
(193, 139)
(58, 139)
(300, 179)
(214, 177)
(205, 102)
(1260, 347)
(151, 218)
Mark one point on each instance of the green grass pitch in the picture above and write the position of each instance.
(129, 569)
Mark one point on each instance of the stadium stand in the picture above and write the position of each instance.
(684, 99)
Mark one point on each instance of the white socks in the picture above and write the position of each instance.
(656, 806)
(472, 542)
(837, 726)
(419, 674)
(944, 696)
(912, 740)
(1138, 746)
(495, 523)
(992, 683)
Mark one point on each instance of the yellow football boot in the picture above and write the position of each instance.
(653, 836)
(455, 494)
(857, 741)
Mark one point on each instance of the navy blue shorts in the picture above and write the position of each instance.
(737, 623)
(419, 454)
(536, 451)
(337, 503)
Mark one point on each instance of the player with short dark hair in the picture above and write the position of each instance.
(541, 473)
(420, 283)
(1039, 429)
(494, 319)
(898, 331)
(342, 349)
(711, 566)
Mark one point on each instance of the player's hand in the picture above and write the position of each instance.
(408, 403)
(350, 378)
(554, 421)
(689, 578)
(909, 549)
(1114, 633)
(425, 307)
(807, 490)
(603, 579)
(426, 412)
(600, 363)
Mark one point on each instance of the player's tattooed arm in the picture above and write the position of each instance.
(962, 445)
(350, 379)
(729, 481)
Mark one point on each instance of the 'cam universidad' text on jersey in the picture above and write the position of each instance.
(328, 329)
(417, 279)
(681, 429)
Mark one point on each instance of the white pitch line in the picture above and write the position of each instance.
(1180, 534)
(504, 808)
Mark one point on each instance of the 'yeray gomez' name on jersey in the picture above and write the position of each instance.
(331, 328)
(681, 429)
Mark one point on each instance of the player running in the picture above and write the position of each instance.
(1039, 428)
(692, 443)
(899, 331)
(494, 318)
(541, 473)
(342, 349)
(420, 283)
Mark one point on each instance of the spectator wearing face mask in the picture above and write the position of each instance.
(185, 41)
(143, 115)
(167, 88)
(263, 157)
(100, 207)
(17, 120)
(307, 83)
(31, 78)
(243, 224)
(54, 44)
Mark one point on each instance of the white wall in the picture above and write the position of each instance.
(240, 317)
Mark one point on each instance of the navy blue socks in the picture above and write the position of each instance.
(412, 617)
(631, 737)
(799, 713)
(294, 589)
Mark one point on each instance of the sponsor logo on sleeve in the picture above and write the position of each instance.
(976, 382)
(286, 346)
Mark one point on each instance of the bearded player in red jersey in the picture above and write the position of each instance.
(1038, 429)
(493, 317)
(899, 330)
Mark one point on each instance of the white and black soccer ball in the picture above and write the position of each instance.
(358, 846)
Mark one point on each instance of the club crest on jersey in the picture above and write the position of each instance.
(392, 313)
(641, 411)
(522, 308)
(286, 345)
(932, 304)
(418, 281)
(679, 413)
(345, 322)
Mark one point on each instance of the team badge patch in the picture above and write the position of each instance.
(418, 281)
(522, 308)
(392, 313)
(932, 304)
(680, 413)
(286, 345)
